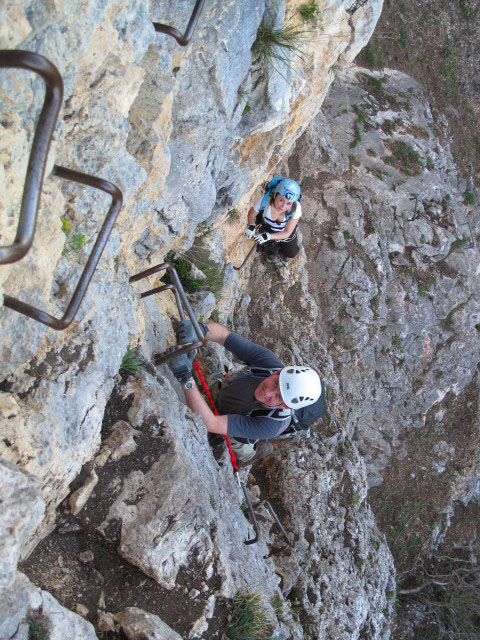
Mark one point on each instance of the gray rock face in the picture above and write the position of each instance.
(398, 270)
(165, 520)
(22, 509)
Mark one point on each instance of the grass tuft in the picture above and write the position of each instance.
(198, 256)
(276, 46)
(249, 618)
(130, 361)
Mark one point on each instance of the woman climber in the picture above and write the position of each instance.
(277, 215)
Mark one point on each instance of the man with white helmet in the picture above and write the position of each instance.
(255, 406)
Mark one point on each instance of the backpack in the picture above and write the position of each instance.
(302, 419)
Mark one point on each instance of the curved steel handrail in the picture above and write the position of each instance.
(175, 33)
(93, 259)
(40, 146)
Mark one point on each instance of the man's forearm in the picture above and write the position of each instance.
(195, 401)
(217, 332)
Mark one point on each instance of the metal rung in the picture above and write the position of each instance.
(40, 146)
(253, 519)
(182, 303)
(277, 520)
(175, 33)
(93, 258)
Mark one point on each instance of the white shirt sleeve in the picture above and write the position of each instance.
(298, 212)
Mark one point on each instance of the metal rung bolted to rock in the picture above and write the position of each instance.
(182, 304)
(93, 259)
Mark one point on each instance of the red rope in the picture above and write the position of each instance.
(233, 457)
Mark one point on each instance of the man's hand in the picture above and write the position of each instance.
(186, 333)
(249, 231)
(261, 238)
(181, 366)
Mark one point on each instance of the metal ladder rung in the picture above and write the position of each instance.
(182, 304)
(39, 151)
(184, 39)
(62, 323)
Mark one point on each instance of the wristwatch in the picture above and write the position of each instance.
(189, 384)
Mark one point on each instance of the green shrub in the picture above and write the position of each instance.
(233, 214)
(246, 109)
(459, 242)
(130, 361)
(183, 268)
(37, 629)
(309, 11)
(65, 225)
(214, 274)
(249, 618)
(405, 158)
(468, 197)
(74, 243)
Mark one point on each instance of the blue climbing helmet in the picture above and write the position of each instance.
(289, 189)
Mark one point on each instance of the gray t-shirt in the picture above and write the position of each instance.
(237, 397)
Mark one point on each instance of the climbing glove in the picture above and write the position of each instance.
(186, 333)
(249, 231)
(261, 238)
(181, 366)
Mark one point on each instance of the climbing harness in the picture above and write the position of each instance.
(233, 459)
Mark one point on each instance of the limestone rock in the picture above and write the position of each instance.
(22, 510)
(24, 605)
(140, 625)
(79, 498)
(121, 441)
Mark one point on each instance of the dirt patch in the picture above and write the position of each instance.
(436, 42)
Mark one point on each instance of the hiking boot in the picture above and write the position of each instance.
(262, 449)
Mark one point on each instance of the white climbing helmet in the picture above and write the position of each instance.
(299, 386)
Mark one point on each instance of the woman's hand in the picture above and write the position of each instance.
(249, 231)
(261, 238)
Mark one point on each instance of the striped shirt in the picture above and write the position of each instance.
(276, 225)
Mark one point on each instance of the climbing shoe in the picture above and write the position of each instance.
(262, 450)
